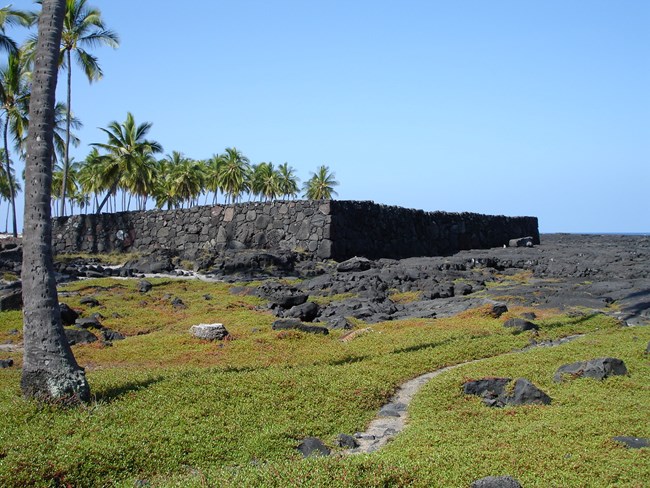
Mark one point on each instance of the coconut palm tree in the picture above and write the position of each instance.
(234, 173)
(287, 181)
(321, 185)
(83, 28)
(90, 176)
(50, 371)
(11, 17)
(213, 169)
(129, 153)
(265, 181)
(13, 95)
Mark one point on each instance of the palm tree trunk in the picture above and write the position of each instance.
(66, 157)
(50, 371)
(10, 181)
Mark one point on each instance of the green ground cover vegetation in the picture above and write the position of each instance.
(171, 410)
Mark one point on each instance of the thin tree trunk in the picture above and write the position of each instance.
(10, 181)
(50, 371)
(66, 156)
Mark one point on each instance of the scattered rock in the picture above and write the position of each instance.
(88, 323)
(632, 442)
(13, 332)
(144, 286)
(159, 261)
(280, 295)
(528, 315)
(313, 446)
(647, 348)
(207, 296)
(178, 304)
(520, 325)
(354, 264)
(6, 363)
(79, 336)
(306, 312)
(339, 323)
(89, 301)
(498, 309)
(521, 242)
(498, 392)
(209, 332)
(496, 482)
(392, 410)
(68, 315)
(112, 335)
(599, 369)
(346, 441)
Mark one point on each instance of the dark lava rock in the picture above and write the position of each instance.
(632, 442)
(79, 336)
(498, 309)
(306, 312)
(88, 323)
(339, 323)
(498, 392)
(285, 324)
(144, 286)
(11, 299)
(280, 295)
(6, 363)
(89, 301)
(599, 369)
(157, 262)
(496, 482)
(68, 315)
(392, 410)
(354, 264)
(520, 325)
(178, 304)
(528, 316)
(346, 441)
(313, 446)
(112, 335)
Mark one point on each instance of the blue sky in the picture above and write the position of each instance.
(503, 107)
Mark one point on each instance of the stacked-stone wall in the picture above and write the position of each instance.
(324, 229)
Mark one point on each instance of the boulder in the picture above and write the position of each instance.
(285, 324)
(346, 441)
(498, 309)
(280, 295)
(68, 315)
(496, 482)
(89, 301)
(112, 335)
(11, 299)
(599, 369)
(79, 336)
(88, 323)
(354, 264)
(305, 312)
(313, 446)
(339, 323)
(144, 286)
(499, 392)
(209, 332)
(632, 442)
(520, 325)
(392, 410)
(521, 242)
(178, 304)
(6, 363)
(157, 262)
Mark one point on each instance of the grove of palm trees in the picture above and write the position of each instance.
(127, 170)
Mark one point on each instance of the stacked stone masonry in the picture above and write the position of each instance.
(324, 229)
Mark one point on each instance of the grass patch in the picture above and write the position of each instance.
(177, 411)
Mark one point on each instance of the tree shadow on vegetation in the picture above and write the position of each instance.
(114, 393)
(347, 360)
(427, 345)
(574, 321)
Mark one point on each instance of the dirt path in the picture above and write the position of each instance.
(392, 417)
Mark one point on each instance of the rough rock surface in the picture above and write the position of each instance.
(632, 442)
(79, 336)
(599, 369)
(496, 482)
(313, 446)
(209, 332)
(499, 392)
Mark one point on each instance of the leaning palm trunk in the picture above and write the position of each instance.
(50, 371)
(10, 182)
